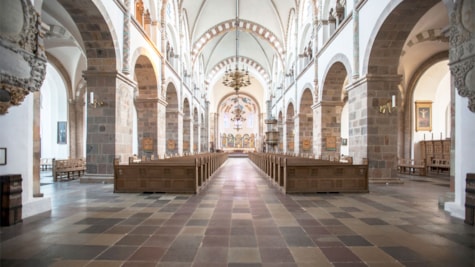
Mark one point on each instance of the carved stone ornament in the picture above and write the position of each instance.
(462, 49)
(22, 56)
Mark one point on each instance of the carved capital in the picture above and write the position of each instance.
(22, 53)
(462, 50)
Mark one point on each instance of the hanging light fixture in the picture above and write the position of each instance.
(238, 113)
(236, 78)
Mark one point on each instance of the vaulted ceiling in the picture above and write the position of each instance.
(263, 27)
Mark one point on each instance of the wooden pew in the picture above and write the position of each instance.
(306, 175)
(46, 163)
(438, 165)
(187, 174)
(68, 168)
(410, 166)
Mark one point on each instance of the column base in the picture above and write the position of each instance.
(97, 179)
(385, 181)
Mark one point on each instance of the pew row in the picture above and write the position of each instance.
(305, 175)
(68, 168)
(186, 174)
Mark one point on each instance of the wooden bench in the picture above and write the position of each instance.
(187, 174)
(46, 163)
(305, 175)
(438, 165)
(410, 166)
(68, 168)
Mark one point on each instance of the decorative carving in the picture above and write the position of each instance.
(22, 55)
(462, 54)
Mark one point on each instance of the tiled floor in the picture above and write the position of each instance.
(241, 220)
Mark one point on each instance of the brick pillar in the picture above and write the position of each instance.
(373, 133)
(297, 129)
(187, 134)
(180, 133)
(147, 124)
(290, 134)
(317, 129)
(162, 127)
(109, 120)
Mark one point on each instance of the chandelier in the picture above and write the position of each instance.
(238, 113)
(236, 78)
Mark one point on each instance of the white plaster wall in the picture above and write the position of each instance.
(464, 147)
(434, 85)
(342, 46)
(115, 17)
(17, 136)
(54, 108)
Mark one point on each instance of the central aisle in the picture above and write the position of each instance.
(249, 221)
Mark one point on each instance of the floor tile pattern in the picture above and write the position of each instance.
(241, 220)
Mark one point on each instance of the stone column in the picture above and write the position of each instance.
(327, 127)
(147, 124)
(187, 133)
(462, 67)
(297, 133)
(36, 146)
(356, 40)
(162, 127)
(373, 128)
(317, 129)
(126, 41)
(214, 136)
(180, 132)
(109, 121)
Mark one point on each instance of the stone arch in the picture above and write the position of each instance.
(172, 120)
(407, 109)
(231, 61)
(233, 127)
(376, 140)
(305, 120)
(381, 58)
(341, 59)
(97, 32)
(143, 52)
(329, 111)
(244, 25)
(54, 111)
(146, 104)
(102, 51)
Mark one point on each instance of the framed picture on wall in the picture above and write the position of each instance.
(62, 134)
(423, 116)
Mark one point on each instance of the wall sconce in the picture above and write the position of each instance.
(93, 102)
(389, 106)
